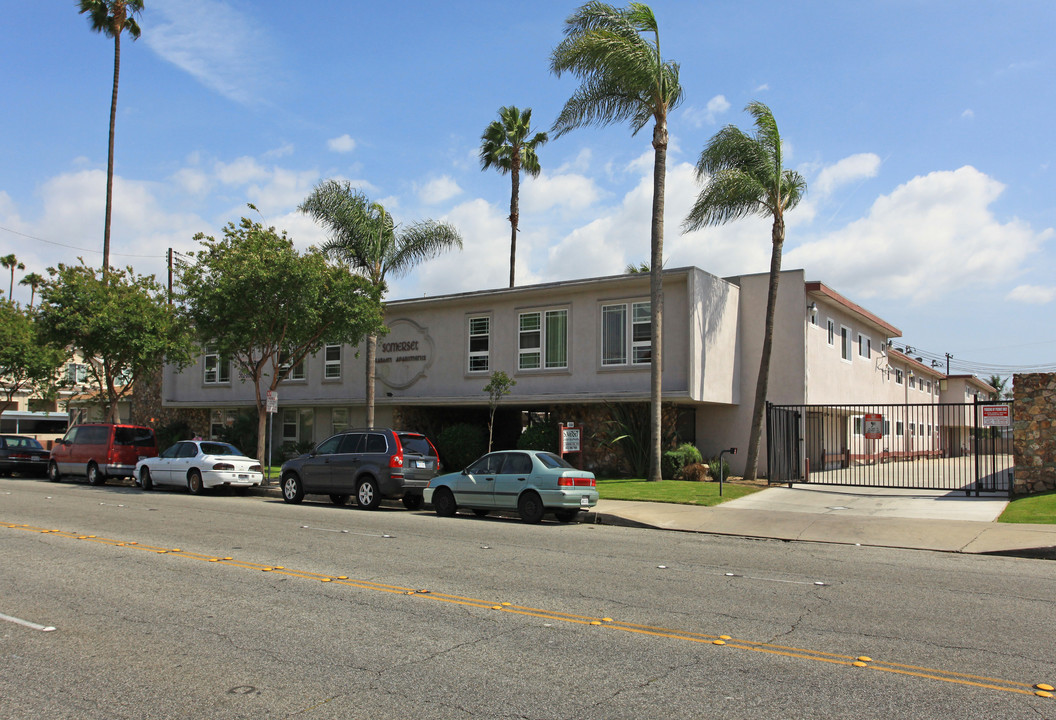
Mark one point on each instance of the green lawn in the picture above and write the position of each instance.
(1032, 509)
(672, 491)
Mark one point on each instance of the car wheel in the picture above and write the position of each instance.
(94, 476)
(337, 499)
(444, 503)
(144, 479)
(530, 507)
(292, 489)
(194, 483)
(566, 515)
(53, 473)
(481, 512)
(367, 494)
(413, 502)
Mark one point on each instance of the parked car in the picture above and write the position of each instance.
(99, 451)
(22, 455)
(368, 464)
(199, 465)
(533, 482)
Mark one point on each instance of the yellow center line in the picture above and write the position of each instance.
(726, 642)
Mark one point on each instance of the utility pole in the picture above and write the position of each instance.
(948, 356)
(169, 254)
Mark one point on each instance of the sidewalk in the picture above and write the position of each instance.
(965, 536)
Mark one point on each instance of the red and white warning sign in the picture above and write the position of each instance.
(873, 426)
(996, 415)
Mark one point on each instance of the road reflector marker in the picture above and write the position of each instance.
(265, 569)
(342, 577)
(607, 620)
(1044, 686)
(725, 637)
(595, 622)
(1043, 693)
(214, 559)
(227, 558)
(718, 642)
(864, 658)
(506, 604)
(859, 663)
(496, 607)
(324, 579)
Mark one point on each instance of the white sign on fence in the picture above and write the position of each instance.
(996, 415)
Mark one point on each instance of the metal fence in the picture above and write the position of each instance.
(943, 446)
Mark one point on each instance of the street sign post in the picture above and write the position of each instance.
(272, 406)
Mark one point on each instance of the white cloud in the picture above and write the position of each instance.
(438, 190)
(569, 191)
(240, 171)
(698, 117)
(1032, 294)
(230, 53)
(931, 236)
(342, 144)
(855, 167)
(968, 114)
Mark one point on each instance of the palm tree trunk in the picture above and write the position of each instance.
(656, 298)
(110, 159)
(372, 346)
(762, 384)
(514, 217)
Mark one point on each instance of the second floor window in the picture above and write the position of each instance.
(295, 373)
(543, 340)
(479, 344)
(617, 335)
(332, 362)
(217, 370)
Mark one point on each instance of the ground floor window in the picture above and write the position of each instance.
(298, 425)
(219, 420)
(338, 420)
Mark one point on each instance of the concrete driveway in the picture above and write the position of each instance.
(874, 502)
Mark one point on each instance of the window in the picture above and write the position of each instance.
(887, 427)
(298, 425)
(858, 425)
(332, 362)
(217, 371)
(76, 373)
(617, 336)
(832, 332)
(898, 376)
(920, 429)
(219, 420)
(898, 428)
(864, 346)
(543, 340)
(338, 420)
(479, 344)
(845, 339)
(295, 373)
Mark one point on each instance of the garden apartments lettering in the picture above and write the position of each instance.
(398, 347)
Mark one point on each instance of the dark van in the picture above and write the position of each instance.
(99, 451)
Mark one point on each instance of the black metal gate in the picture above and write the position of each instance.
(947, 446)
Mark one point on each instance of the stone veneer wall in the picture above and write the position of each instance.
(147, 408)
(1034, 432)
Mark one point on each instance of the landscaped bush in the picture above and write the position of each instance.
(695, 472)
(674, 460)
(242, 433)
(543, 436)
(291, 450)
(460, 444)
(713, 465)
(168, 435)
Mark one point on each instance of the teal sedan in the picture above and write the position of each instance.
(532, 482)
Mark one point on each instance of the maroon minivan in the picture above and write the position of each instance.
(99, 451)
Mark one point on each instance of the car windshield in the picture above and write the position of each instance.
(23, 442)
(139, 437)
(553, 461)
(218, 448)
(415, 444)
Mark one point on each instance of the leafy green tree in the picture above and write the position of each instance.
(507, 144)
(499, 386)
(265, 306)
(616, 55)
(111, 18)
(34, 281)
(28, 363)
(744, 177)
(123, 325)
(363, 236)
(10, 261)
(999, 384)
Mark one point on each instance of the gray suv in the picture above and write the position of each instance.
(369, 464)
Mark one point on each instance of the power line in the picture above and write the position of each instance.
(972, 367)
(74, 247)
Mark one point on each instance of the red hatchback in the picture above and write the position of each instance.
(99, 451)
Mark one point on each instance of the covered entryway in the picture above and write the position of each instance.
(945, 446)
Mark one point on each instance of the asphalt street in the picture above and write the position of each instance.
(171, 606)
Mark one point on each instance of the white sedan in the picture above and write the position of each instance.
(199, 465)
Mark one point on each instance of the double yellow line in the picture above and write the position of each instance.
(859, 662)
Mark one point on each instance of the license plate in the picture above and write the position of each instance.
(35, 458)
(421, 464)
(584, 501)
(243, 477)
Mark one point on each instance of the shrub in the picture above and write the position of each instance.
(168, 435)
(697, 472)
(674, 460)
(291, 450)
(461, 444)
(242, 433)
(713, 466)
(543, 436)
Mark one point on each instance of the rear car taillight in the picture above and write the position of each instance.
(256, 468)
(396, 459)
(223, 466)
(576, 482)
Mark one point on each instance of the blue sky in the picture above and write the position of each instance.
(923, 130)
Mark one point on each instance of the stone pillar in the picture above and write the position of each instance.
(1034, 432)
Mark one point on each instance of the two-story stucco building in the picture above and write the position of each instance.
(574, 346)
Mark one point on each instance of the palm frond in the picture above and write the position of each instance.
(421, 241)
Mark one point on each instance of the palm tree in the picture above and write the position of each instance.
(112, 17)
(624, 78)
(363, 235)
(34, 281)
(745, 177)
(10, 261)
(505, 145)
(999, 384)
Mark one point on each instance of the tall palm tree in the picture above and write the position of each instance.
(112, 17)
(10, 261)
(505, 145)
(999, 384)
(616, 55)
(744, 177)
(34, 281)
(363, 235)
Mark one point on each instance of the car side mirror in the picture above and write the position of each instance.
(465, 471)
